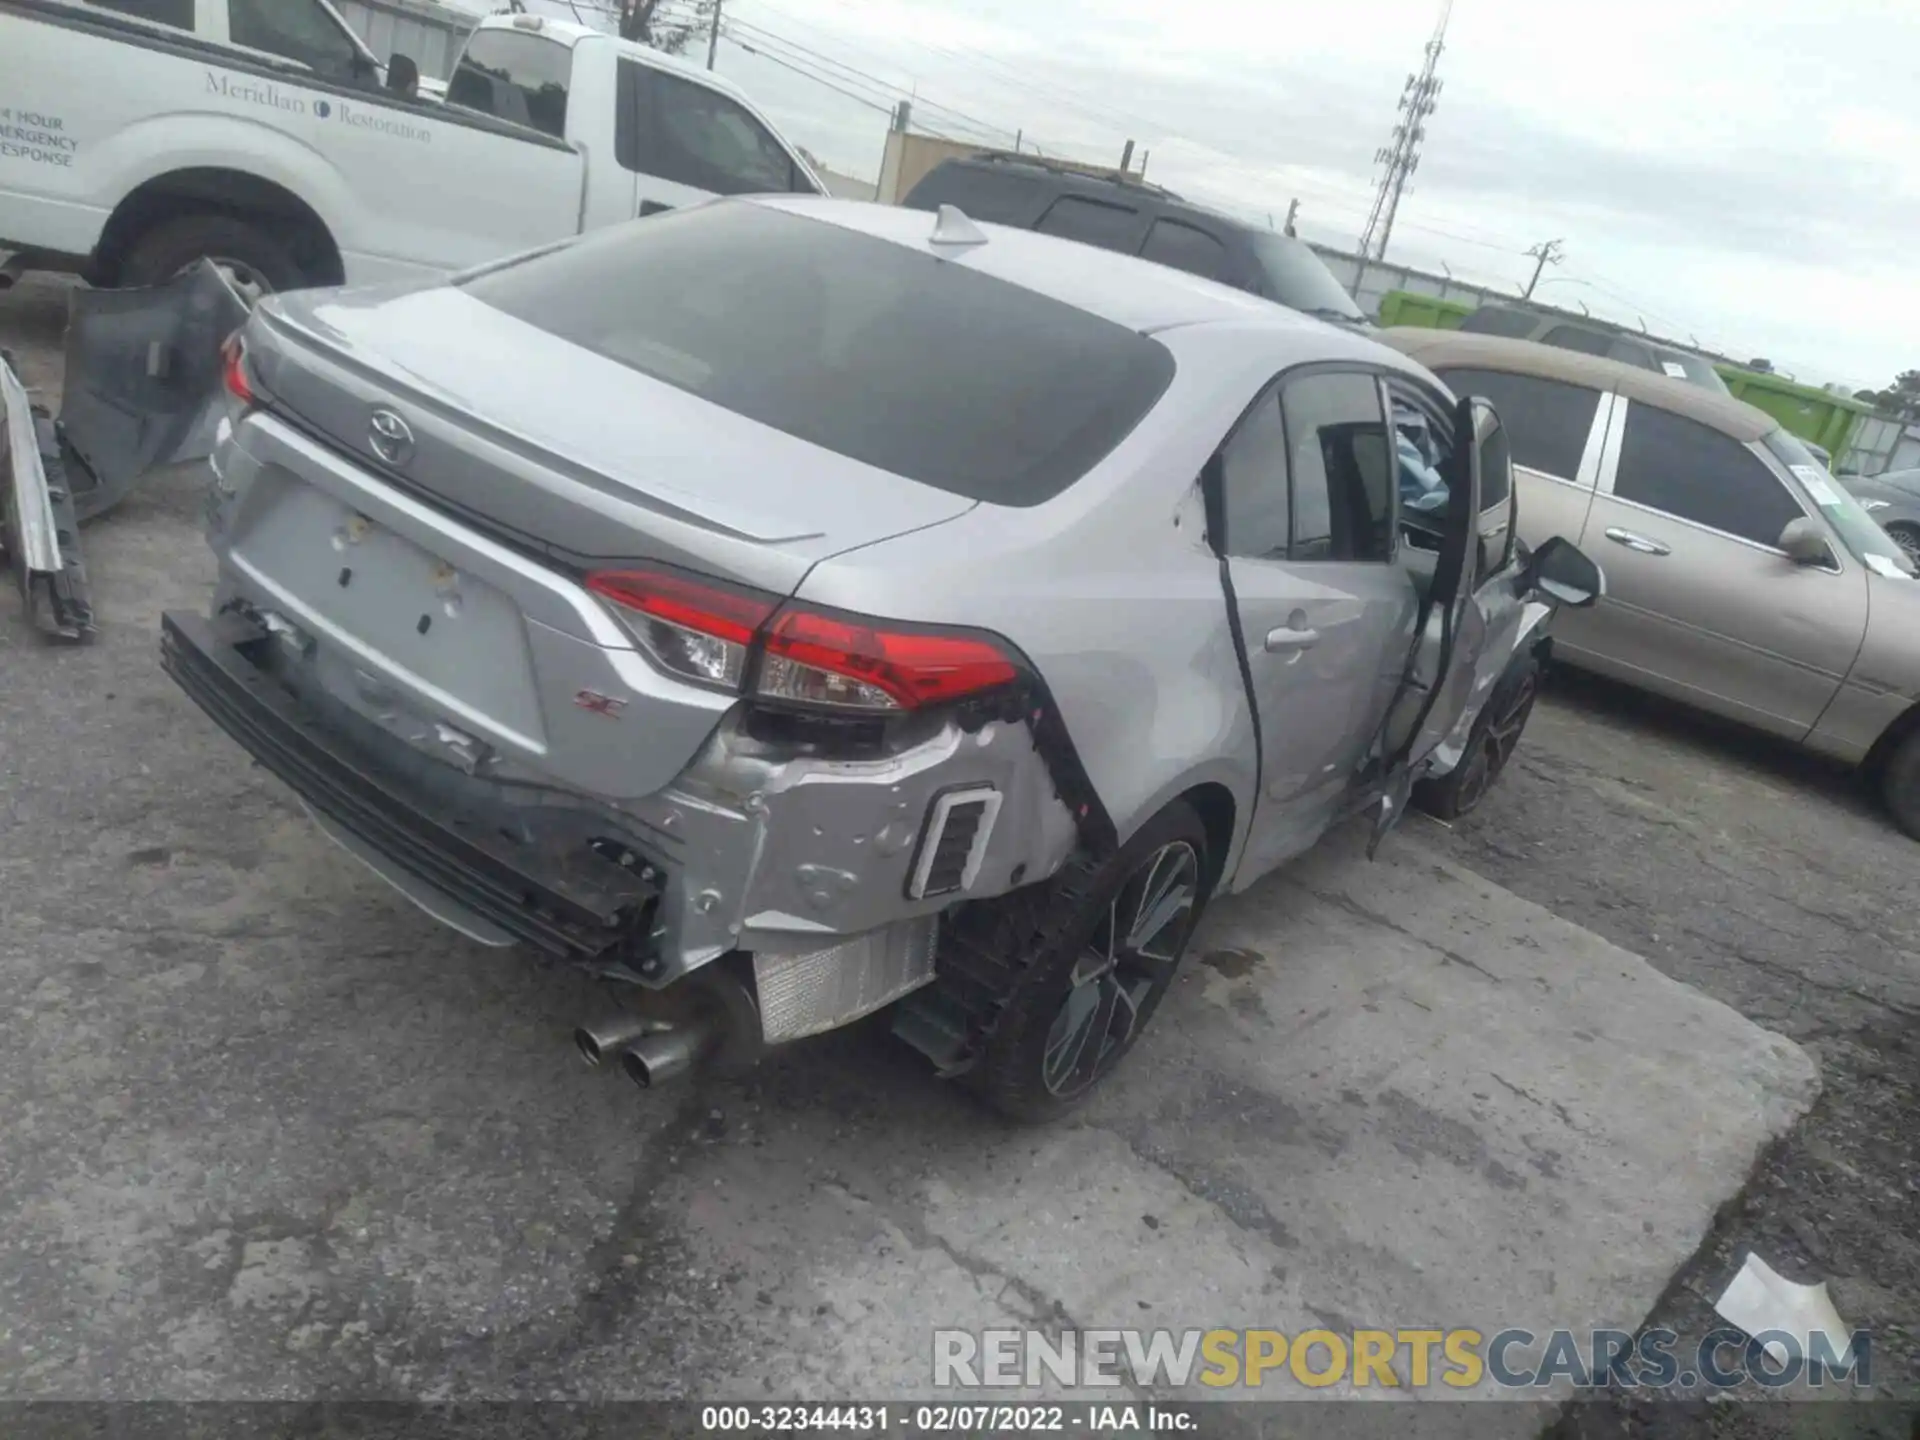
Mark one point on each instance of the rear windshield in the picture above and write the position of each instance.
(888, 355)
(1299, 279)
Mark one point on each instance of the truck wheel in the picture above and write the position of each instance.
(256, 263)
(1490, 744)
(1900, 783)
(1090, 975)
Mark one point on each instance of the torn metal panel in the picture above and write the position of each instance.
(143, 385)
(37, 526)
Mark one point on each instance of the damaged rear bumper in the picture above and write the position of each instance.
(569, 906)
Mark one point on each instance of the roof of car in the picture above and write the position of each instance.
(1138, 294)
(1440, 349)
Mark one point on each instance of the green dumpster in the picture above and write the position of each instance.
(1818, 415)
(1428, 312)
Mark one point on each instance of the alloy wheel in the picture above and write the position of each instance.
(1127, 960)
(1496, 744)
(1908, 539)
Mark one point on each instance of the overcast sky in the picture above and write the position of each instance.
(1742, 171)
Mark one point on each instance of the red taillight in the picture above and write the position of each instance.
(853, 664)
(708, 633)
(233, 370)
(698, 631)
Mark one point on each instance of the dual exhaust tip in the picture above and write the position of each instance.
(648, 1052)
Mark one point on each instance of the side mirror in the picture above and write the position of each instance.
(1561, 571)
(403, 76)
(1806, 543)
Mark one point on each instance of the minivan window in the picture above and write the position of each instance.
(302, 30)
(1572, 337)
(177, 13)
(879, 352)
(1299, 279)
(1683, 468)
(1186, 248)
(514, 76)
(1547, 421)
(1091, 222)
(1498, 320)
(696, 136)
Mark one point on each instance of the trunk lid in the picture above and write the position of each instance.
(566, 453)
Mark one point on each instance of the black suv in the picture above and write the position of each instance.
(1591, 337)
(1139, 219)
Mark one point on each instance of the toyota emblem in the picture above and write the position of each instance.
(391, 437)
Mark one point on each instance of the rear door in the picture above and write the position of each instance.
(1305, 520)
(1556, 432)
(1701, 600)
(685, 142)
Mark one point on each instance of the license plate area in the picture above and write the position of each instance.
(398, 613)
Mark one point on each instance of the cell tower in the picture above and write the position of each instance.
(1401, 155)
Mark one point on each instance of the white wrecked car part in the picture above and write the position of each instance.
(1759, 1299)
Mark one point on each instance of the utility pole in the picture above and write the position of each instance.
(1546, 253)
(713, 35)
(1401, 154)
(1126, 157)
(1293, 209)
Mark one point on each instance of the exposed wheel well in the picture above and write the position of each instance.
(1889, 741)
(228, 192)
(1213, 803)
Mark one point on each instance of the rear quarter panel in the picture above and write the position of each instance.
(1110, 588)
(401, 191)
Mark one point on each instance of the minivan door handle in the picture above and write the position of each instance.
(1635, 542)
(1282, 637)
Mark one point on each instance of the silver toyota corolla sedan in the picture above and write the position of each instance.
(1741, 576)
(792, 608)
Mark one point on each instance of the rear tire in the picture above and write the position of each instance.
(1490, 744)
(258, 263)
(1900, 783)
(1097, 970)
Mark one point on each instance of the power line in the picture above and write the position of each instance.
(794, 47)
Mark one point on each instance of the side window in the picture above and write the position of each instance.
(1547, 421)
(1498, 320)
(1092, 222)
(513, 76)
(696, 136)
(177, 13)
(1253, 482)
(1572, 337)
(1185, 247)
(1628, 353)
(1679, 466)
(1496, 492)
(1340, 466)
(301, 30)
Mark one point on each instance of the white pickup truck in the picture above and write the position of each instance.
(138, 136)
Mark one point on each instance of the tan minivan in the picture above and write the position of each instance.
(1741, 576)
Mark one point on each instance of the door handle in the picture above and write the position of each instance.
(653, 207)
(1635, 542)
(1283, 638)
